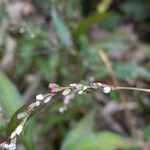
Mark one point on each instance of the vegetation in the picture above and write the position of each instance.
(74, 74)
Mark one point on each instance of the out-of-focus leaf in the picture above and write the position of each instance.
(110, 45)
(104, 5)
(1, 125)
(28, 138)
(130, 71)
(111, 21)
(102, 141)
(35, 38)
(90, 20)
(70, 9)
(87, 52)
(146, 131)
(72, 111)
(91, 62)
(2, 13)
(79, 132)
(48, 66)
(61, 28)
(135, 9)
(10, 98)
(25, 49)
(82, 137)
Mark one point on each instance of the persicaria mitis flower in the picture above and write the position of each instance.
(40, 97)
(17, 131)
(66, 92)
(54, 87)
(8, 146)
(62, 109)
(68, 98)
(107, 89)
(94, 85)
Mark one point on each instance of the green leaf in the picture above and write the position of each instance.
(146, 131)
(81, 130)
(102, 141)
(48, 66)
(111, 21)
(29, 139)
(10, 98)
(110, 45)
(1, 125)
(61, 28)
(135, 9)
(10, 101)
(130, 71)
(82, 137)
(89, 21)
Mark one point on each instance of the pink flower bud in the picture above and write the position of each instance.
(94, 85)
(54, 87)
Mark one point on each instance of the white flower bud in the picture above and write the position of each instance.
(37, 103)
(62, 109)
(13, 134)
(47, 99)
(19, 129)
(40, 97)
(80, 92)
(21, 115)
(66, 92)
(12, 147)
(85, 87)
(107, 89)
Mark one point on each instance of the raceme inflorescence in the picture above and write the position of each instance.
(41, 100)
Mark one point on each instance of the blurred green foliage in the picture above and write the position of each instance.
(9, 96)
(84, 138)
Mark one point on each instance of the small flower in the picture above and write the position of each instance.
(19, 129)
(94, 85)
(8, 146)
(4, 145)
(13, 134)
(66, 92)
(37, 103)
(62, 109)
(40, 97)
(33, 104)
(12, 146)
(68, 98)
(73, 85)
(80, 92)
(54, 87)
(99, 84)
(66, 101)
(21, 115)
(85, 87)
(77, 86)
(47, 99)
(107, 89)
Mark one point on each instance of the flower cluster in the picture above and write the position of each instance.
(8, 146)
(70, 91)
(68, 94)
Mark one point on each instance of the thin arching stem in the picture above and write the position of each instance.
(131, 88)
(54, 89)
